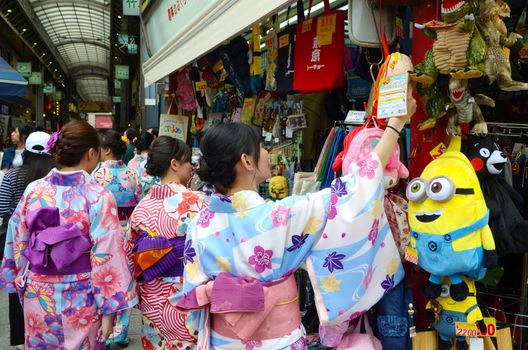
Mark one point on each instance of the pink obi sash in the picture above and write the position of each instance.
(245, 309)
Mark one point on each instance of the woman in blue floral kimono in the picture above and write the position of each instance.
(139, 162)
(63, 253)
(241, 251)
(123, 182)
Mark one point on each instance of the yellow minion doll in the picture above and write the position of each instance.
(443, 312)
(278, 187)
(448, 218)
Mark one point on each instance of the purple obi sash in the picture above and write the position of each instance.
(123, 213)
(157, 256)
(56, 249)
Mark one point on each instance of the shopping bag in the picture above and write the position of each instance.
(286, 52)
(360, 341)
(319, 51)
(174, 125)
(364, 28)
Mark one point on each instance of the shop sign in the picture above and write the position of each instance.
(179, 31)
(35, 78)
(121, 72)
(171, 18)
(58, 95)
(90, 106)
(131, 7)
(24, 68)
(48, 89)
(116, 99)
(103, 122)
(117, 84)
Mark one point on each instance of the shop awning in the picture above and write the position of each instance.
(11, 82)
(16, 100)
(179, 34)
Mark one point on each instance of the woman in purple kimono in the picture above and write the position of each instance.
(241, 251)
(63, 253)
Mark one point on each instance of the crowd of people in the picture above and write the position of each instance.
(98, 223)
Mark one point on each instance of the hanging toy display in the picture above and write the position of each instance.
(489, 21)
(466, 108)
(507, 224)
(458, 50)
(449, 223)
(444, 312)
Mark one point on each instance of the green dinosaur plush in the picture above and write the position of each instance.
(435, 104)
(458, 50)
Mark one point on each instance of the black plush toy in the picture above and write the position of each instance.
(509, 228)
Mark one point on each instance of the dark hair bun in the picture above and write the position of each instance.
(162, 151)
(222, 146)
(76, 138)
(144, 141)
(112, 139)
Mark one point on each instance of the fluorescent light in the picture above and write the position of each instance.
(119, 17)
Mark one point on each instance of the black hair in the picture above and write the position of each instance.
(162, 151)
(35, 166)
(40, 128)
(24, 131)
(112, 139)
(155, 131)
(131, 134)
(222, 146)
(143, 142)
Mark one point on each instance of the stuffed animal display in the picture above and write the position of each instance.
(449, 223)
(509, 227)
(278, 187)
(443, 313)
(469, 43)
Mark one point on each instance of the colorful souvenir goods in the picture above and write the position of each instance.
(443, 312)
(449, 223)
(490, 23)
(278, 187)
(159, 222)
(340, 232)
(458, 49)
(64, 311)
(507, 223)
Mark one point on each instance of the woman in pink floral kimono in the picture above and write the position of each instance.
(159, 221)
(63, 254)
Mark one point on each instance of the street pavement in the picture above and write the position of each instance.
(133, 332)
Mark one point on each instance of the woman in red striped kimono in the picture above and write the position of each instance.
(160, 221)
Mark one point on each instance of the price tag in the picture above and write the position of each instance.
(269, 41)
(325, 39)
(306, 26)
(476, 343)
(438, 150)
(411, 255)
(355, 117)
(326, 24)
(491, 327)
(201, 85)
(284, 40)
(463, 329)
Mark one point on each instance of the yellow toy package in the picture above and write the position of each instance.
(449, 223)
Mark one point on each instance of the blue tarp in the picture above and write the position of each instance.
(11, 82)
(17, 100)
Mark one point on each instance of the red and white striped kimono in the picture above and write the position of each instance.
(166, 210)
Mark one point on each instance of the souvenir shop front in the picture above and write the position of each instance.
(319, 78)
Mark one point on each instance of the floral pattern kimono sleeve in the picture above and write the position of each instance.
(341, 232)
(113, 284)
(14, 262)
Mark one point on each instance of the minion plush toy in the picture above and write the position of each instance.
(448, 218)
(443, 312)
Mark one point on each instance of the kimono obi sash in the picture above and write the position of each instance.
(246, 309)
(56, 249)
(123, 213)
(157, 256)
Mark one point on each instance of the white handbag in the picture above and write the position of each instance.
(364, 23)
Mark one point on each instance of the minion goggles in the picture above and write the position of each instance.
(439, 188)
